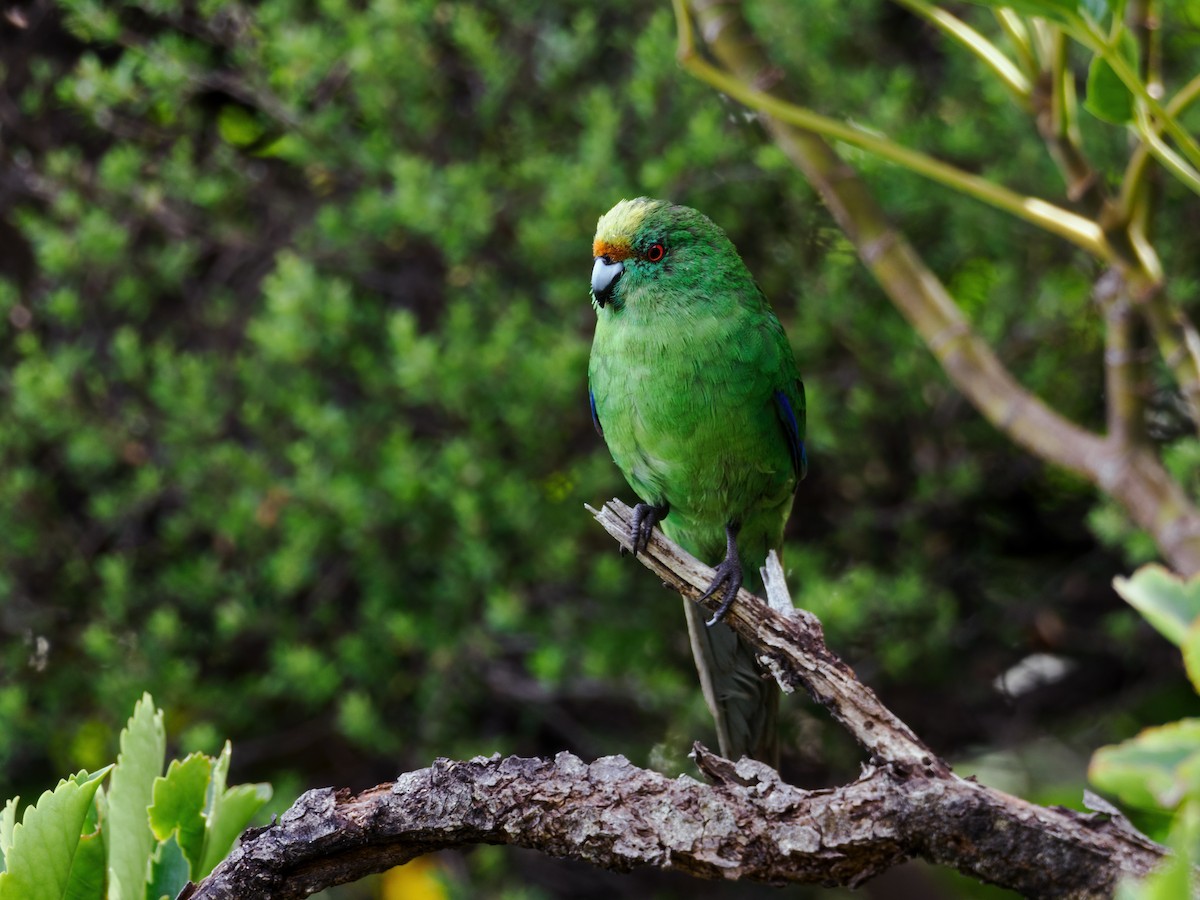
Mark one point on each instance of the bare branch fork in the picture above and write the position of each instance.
(746, 824)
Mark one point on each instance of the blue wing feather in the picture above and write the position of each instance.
(595, 418)
(791, 430)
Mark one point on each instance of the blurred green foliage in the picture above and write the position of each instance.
(293, 424)
(1156, 774)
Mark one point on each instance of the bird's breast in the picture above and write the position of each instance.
(689, 420)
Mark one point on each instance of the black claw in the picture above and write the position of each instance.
(729, 577)
(645, 517)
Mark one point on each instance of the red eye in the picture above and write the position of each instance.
(655, 253)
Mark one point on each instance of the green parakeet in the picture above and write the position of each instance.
(694, 388)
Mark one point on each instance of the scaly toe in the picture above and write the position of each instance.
(731, 593)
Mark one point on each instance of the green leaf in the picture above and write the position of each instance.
(168, 872)
(45, 843)
(1191, 654)
(86, 881)
(178, 808)
(1164, 599)
(127, 829)
(1154, 770)
(1173, 879)
(230, 812)
(8, 819)
(1107, 96)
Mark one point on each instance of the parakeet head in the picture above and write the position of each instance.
(651, 250)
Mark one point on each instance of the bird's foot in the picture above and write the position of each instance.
(728, 578)
(645, 517)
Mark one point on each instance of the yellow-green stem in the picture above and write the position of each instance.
(1018, 35)
(1082, 232)
(987, 52)
(1170, 160)
(1088, 34)
(1135, 171)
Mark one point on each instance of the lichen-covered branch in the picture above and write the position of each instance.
(746, 823)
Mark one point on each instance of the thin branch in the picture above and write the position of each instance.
(1076, 229)
(1122, 362)
(1178, 345)
(983, 49)
(1018, 35)
(1055, 114)
(747, 824)
(1168, 158)
(1143, 18)
(1174, 333)
(1169, 123)
(1089, 34)
(1146, 254)
(1137, 480)
(1135, 171)
(1044, 33)
(1063, 111)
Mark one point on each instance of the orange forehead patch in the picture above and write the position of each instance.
(616, 251)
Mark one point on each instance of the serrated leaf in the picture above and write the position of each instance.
(8, 819)
(45, 842)
(1107, 96)
(1154, 770)
(230, 811)
(86, 881)
(178, 808)
(168, 872)
(239, 805)
(1164, 599)
(130, 841)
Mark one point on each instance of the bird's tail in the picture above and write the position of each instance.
(743, 699)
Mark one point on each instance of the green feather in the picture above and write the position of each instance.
(686, 362)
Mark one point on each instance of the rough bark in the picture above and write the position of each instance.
(745, 824)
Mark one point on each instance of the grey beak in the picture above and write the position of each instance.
(604, 278)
